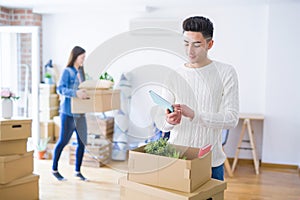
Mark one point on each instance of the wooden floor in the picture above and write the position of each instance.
(271, 184)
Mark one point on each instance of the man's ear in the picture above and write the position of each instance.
(210, 44)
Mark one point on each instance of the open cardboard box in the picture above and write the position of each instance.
(177, 174)
(134, 191)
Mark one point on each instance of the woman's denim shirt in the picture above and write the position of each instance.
(67, 87)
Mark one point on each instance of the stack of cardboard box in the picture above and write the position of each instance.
(162, 178)
(100, 126)
(97, 153)
(49, 105)
(16, 164)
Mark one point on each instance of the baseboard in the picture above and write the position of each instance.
(242, 161)
(270, 165)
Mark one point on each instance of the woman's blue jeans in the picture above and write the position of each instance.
(69, 124)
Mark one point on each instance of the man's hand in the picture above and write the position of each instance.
(174, 118)
(81, 94)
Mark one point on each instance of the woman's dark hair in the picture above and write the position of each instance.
(199, 24)
(76, 51)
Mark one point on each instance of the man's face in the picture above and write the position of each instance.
(196, 46)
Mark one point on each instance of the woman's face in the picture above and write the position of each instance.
(80, 59)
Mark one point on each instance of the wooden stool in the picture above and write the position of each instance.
(247, 124)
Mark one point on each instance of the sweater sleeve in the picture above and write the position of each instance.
(228, 114)
(63, 86)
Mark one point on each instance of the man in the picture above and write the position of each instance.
(205, 96)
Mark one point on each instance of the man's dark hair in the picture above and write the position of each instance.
(199, 24)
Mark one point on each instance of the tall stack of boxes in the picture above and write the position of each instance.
(17, 180)
(49, 106)
(162, 178)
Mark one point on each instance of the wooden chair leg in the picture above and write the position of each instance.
(228, 168)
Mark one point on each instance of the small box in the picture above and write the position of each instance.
(99, 101)
(177, 174)
(49, 101)
(134, 191)
(47, 89)
(15, 166)
(14, 129)
(11, 147)
(26, 188)
(47, 130)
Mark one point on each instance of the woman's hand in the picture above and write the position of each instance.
(82, 94)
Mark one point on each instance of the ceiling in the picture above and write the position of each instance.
(56, 6)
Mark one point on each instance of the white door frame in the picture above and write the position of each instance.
(35, 72)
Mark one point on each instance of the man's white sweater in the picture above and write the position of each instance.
(212, 92)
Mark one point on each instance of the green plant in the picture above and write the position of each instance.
(48, 75)
(42, 145)
(163, 148)
(106, 76)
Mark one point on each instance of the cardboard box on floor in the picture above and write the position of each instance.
(15, 166)
(24, 188)
(134, 191)
(177, 174)
(14, 129)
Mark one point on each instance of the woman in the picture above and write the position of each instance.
(71, 77)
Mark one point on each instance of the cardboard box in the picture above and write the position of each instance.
(99, 101)
(15, 166)
(47, 130)
(11, 147)
(134, 191)
(26, 188)
(47, 89)
(49, 101)
(14, 129)
(177, 174)
(94, 156)
(99, 126)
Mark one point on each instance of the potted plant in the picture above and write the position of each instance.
(41, 147)
(48, 78)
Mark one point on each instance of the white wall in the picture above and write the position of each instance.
(282, 124)
(241, 39)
